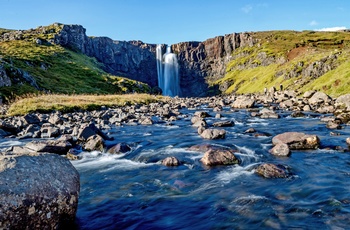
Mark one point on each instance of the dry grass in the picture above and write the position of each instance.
(69, 103)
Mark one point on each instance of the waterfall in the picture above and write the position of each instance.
(168, 72)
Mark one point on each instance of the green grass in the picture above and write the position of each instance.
(304, 47)
(60, 70)
(69, 103)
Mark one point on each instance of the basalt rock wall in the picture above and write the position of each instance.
(136, 60)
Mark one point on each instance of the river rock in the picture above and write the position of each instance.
(50, 146)
(170, 161)
(318, 98)
(201, 114)
(38, 192)
(281, 150)
(56, 119)
(243, 102)
(297, 140)
(219, 157)
(269, 170)
(202, 148)
(48, 130)
(89, 130)
(348, 141)
(31, 118)
(224, 124)
(119, 148)
(94, 142)
(8, 127)
(309, 94)
(267, 113)
(343, 102)
(213, 134)
(333, 125)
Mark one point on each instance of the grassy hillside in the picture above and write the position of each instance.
(56, 69)
(293, 59)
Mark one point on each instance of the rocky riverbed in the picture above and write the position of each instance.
(72, 135)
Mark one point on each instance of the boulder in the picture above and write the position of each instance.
(8, 127)
(224, 124)
(267, 113)
(89, 130)
(298, 114)
(318, 98)
(243, 102)
(170, 161)
(269, 170)
(48, 130)
(202, 148)
(297, 140)
(281, 150)
(119, 148)
(146, 121)
(37, 192)
(213, 134)
(94, 142)
(50, 146)
(31, 118)
(201, 114)
(219, 157)
(348, 141)
(343, 102)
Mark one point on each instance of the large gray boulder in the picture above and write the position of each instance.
(213, 134)
(319, 98)
(37, 192)
(343, 102)
(243, 102)
(297, 140)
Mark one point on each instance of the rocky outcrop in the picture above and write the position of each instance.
(137, 60)
(37, 192)
(134, 59)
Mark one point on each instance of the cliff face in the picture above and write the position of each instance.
(134, 59)
(201, 61)
(137, 60)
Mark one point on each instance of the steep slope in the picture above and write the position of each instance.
(31, 61)
(301, 61)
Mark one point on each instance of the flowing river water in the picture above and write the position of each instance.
(134, 191)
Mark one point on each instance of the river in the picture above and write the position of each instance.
(134, 191)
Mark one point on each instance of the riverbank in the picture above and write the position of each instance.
(74, 134)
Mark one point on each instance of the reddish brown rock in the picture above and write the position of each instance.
(219, 157)
(269, 170)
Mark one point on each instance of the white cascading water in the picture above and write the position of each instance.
(168, 72)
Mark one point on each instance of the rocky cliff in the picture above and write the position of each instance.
(238, 62)
(136, 60)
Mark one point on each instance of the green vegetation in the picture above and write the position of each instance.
(56, 69)
(291, 52)
(66, 103)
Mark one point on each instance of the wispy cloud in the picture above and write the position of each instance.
(313, 23)
(336, 28)
(247, 8)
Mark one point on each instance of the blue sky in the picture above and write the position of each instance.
(173, 21)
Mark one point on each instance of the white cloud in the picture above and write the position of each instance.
(313, 23)
(336, 28)
(247, 8)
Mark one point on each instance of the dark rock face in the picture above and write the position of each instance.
(137, 60)
(37, 192)
(134, 59)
